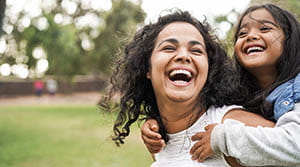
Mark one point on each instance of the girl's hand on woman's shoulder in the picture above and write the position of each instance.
(202, 148)
(152, 139)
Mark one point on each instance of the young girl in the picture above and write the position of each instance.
(268, 57)
(174, 71)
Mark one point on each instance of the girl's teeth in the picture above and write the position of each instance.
(254, 49)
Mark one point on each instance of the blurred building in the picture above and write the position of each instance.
(79, 84)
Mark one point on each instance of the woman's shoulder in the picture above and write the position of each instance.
(216, 114)
(223, 109)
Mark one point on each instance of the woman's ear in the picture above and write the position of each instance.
(148, 75)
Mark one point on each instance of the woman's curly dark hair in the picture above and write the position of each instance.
(138, 100)
(288, 65)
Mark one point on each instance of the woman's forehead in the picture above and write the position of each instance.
(180, 29)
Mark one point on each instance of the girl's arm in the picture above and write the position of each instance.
(151, 137)
(278, 146)
(203, 149)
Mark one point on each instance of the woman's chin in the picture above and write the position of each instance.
(180, 96)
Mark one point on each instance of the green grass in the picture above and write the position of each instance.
(65, 136)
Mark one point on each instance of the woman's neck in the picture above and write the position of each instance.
(178, 117)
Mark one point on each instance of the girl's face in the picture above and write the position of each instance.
(260, 42)
(179, 63)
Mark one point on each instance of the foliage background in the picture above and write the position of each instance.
(71, 49)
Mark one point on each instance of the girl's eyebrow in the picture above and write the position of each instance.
(261, 22)
(175, 41)
(267, 21)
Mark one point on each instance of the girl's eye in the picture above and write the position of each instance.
(242, 34)
(265, 28)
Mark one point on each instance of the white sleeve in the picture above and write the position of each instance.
(258, 146)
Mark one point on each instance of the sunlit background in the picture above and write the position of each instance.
(25, 54)
(55, 62)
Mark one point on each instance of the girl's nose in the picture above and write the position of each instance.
(252, 36)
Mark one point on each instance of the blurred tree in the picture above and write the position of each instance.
(291, 5)
(59, 43)
(121, 21)
(231, 19)
(2, 9)
(76, 37)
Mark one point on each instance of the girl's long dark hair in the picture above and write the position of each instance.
(138, 100)
(288, 65)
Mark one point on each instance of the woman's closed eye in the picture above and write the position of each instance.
(168, 48)
(196, 51)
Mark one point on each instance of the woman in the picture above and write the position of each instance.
(176, 72)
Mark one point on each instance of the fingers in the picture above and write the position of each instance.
(200, 152)
(195, 147)
(151, 137)
(150, 129)
(153, 142)
(153, 125)
(198, 136)
(155, 147)
(204, 155)
(197, 153)
(201, 149)
(210, 126)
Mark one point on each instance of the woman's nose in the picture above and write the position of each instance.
(183, 56)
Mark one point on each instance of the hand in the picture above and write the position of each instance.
(151, 137)
(202, 149)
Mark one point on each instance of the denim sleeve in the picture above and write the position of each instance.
(258, 146)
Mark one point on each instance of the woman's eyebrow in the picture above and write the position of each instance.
(194, 42)
(171, 40)
(175, 41)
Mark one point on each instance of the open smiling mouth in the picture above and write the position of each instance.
(254, 49)
(180, 76)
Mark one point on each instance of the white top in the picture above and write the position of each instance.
(176, 152)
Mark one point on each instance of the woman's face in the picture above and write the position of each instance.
(260, 42)
(179, 63)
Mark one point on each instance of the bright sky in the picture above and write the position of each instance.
(153, 8)
(197, 7)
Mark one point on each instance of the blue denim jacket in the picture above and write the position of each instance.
(285, 96)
